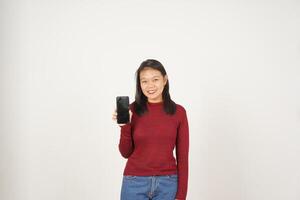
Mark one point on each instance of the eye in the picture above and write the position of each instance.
(156, 79)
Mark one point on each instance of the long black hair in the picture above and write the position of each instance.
(140, 104)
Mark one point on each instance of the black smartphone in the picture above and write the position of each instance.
(122, 109)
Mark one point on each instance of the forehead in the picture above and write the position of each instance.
(149, 73)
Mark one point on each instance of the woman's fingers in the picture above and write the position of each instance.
(130, 115)
(114, 116)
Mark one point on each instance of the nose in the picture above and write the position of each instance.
(150, 85)
(151, 88)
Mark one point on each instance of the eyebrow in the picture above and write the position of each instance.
(156, 76)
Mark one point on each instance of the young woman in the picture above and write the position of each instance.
(157, 125)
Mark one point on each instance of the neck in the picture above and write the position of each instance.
(154, 103)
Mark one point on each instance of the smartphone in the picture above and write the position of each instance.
(122, 109)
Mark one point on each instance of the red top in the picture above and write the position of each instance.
(148, 143)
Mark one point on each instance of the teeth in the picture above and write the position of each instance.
(151, 91)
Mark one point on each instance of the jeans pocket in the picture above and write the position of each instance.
(173, 177)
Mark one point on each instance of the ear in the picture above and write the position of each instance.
(165, 79)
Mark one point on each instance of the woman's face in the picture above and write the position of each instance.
(152, 83)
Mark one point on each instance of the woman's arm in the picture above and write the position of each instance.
(126, 141)
(126, 145)
(182, 156)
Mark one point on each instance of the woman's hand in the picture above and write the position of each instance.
(115, 114)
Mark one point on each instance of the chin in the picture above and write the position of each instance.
(153, 99)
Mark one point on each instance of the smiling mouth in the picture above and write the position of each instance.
(151, 91)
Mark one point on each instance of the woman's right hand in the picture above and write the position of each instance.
(115, 114)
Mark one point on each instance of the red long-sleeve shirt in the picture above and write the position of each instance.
(148, 142)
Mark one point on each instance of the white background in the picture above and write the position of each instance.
(234, 66)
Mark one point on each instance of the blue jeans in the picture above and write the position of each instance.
(149, 187)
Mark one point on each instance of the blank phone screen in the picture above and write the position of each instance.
(122, 109)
